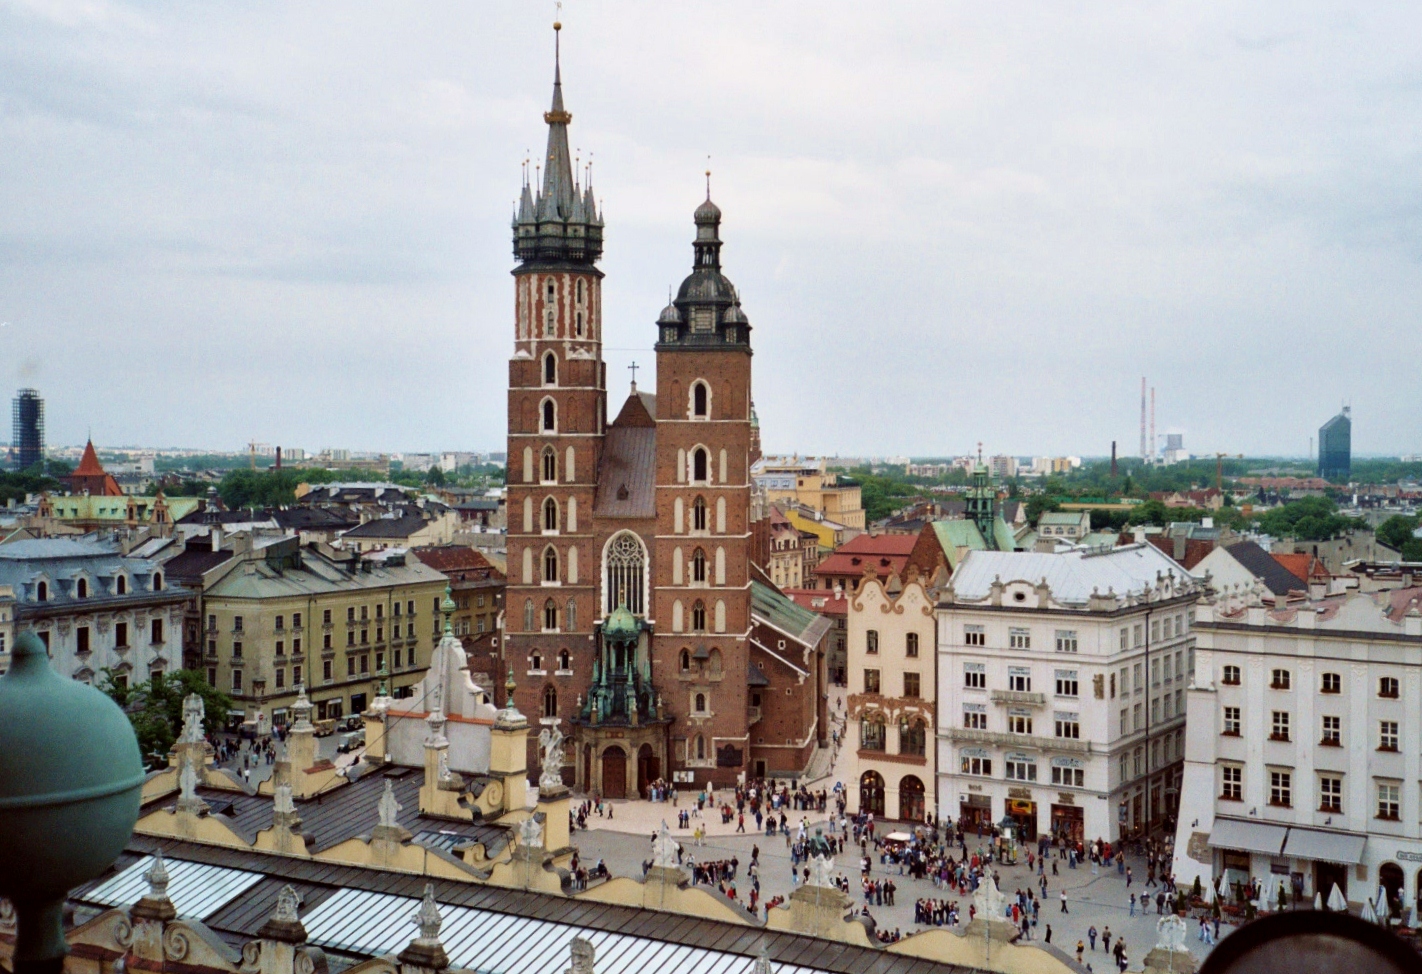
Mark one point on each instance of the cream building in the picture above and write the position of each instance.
(890, 705)
(1302, 757)
(1061, 690)
(805, 480)
(283, 614)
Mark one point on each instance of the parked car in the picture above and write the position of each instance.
(351, 741)
(324, 728)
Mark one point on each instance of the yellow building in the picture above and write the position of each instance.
(890, 706)
(283, 614)
(805, 481)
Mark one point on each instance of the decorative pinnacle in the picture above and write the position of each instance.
(428, 919)
(448, 607)
(510, 686)
(157, 876)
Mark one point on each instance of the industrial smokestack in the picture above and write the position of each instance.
(1143, 418)
(1113, 458)
(1152, 424)
(278, 458)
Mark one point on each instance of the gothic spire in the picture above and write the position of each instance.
(558, 189)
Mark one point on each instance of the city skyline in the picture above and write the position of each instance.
(910, 197)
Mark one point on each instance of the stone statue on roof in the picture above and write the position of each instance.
(1170, 934)
(192, 719)
(584, 956)
(428, 918)
(665, 849)
(817, 844)
(187, 782)
(989, 900)
(821, 871)
(286, 906)
(551, 740)
(530, 833)
(282, 803)
(388, 808)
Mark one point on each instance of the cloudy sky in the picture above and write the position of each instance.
(949, 222)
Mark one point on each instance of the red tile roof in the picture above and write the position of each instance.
(1301, 565)
(89, 465)
(819, 600)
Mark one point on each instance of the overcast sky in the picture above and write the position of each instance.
(948, 222)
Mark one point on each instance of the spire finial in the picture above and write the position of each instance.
(633, 368)
(708, 176)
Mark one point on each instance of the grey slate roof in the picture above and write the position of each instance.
(1261, 565)
(64, 560)
(388, 527)
(627, 478)
(1072, 574)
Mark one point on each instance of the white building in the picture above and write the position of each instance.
(1061, 689)
(1304, 750)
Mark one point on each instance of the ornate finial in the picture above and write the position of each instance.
(388, 808)
(157, 876)
(428, 919)
(287, 905)
(282, 803)
(762, 961)
(510, 686)
(448, 607)
(633, 366)
(708, 179)
(821, 871)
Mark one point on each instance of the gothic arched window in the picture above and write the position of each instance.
(550, 369)
(550, 417)
(528, 615)
(550, 701)
(701, 703)
(550, 515)
(698, 514)
(550, 564)
(550, 465)
(700, 400)
(685, 660)
(570, 614)
(698, 617)
(565, 661)
(700, 748)
(698, 566)
(626, 572)
(550, 615)
(699, 464)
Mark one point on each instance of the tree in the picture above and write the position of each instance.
(1397, 530)
(1151, 512)
(155, 708)
(1412, 550)
(434, 477)
(1039, 504)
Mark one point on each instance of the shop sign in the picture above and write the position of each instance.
(1409, 856)
(1067, 763)
(684, 777)
(1066, 798)
(1019, 793)
(975, 787)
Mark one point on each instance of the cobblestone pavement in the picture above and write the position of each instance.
(1092, 900)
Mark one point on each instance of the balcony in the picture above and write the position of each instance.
(752, 715)
(964, 736)
(1022, 697)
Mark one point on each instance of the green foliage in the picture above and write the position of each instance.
(258, 488)
(1039, 504)
(882, 494)
(1306, 519)
(1109, 520)
(1412, 550)
(1385, 471)
(155, 708)
(184, 488)
(434, 476)
(1152, 512)
(1397, 530)
(17, 485)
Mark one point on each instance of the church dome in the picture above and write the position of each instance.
(735, 316)
(707, 212)
(669, 316)
(621, 625)
(706, 285)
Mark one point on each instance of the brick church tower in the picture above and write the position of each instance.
(557, 409)
(702, 551)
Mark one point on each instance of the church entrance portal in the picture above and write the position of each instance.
(614, 773)
(649, 769)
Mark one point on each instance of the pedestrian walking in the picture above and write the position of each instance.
(1064, 906)
(1080, 950)
(1133, 904)
(1091, 936)
(1048, 938)
(1106, 939)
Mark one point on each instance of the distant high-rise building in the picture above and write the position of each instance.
(1335, 445)
(27, 438)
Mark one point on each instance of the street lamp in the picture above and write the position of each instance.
(70, 781)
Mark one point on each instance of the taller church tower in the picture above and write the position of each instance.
(703, 591)
(557, 410)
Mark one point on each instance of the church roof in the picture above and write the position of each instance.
(89, 465)
(627, 476)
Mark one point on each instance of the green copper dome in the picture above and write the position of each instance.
(621, 625)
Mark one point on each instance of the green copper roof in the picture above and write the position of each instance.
(782, 613)
(621, 624)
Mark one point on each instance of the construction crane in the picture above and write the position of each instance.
(1219, 468)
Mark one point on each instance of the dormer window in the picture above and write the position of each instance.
(42, 592)
(81, 589)
(157, 581)
(121, 585)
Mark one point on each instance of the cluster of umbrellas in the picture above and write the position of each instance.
(1375, 910)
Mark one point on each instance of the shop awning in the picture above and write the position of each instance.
(1344, 848)
(1230, 833)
